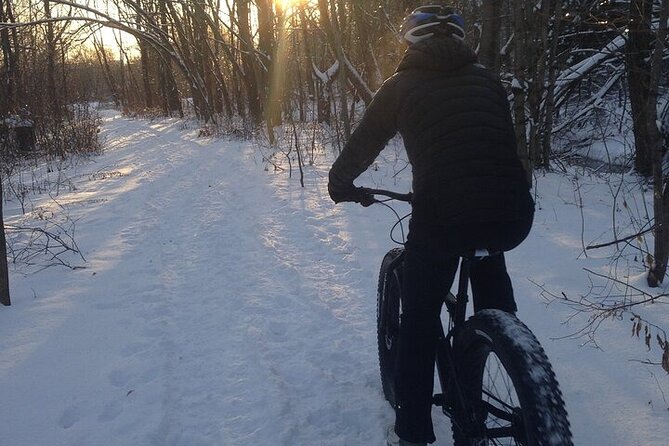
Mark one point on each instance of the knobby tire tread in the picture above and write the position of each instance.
(543, 409)
(384, 297)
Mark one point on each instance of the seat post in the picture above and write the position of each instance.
(463, 286)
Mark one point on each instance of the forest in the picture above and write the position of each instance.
(297, 75)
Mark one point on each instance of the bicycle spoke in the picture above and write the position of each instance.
(494, 392)
(499, 399)
(493, 397)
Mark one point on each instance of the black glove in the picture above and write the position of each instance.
(350, 193)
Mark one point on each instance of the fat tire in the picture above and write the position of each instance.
(388, 320)
(542, 417)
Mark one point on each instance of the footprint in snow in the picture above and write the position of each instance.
(110, 412)
(69, 417)
(119, 378)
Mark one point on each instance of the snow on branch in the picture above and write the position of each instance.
(581, 69)
(363, 89)
(328, 75)
(593, 102)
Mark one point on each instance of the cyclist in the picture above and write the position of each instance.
(470, 191)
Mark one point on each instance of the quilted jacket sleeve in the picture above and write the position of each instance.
(377, 126)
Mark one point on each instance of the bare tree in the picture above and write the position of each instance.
(491, 24)
(519, 85)
(10, 74)
(4, 273)
(638, 75)
(251, 69)
(658, 268)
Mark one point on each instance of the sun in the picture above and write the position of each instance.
(287, 4)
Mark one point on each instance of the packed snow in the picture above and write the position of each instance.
(220, 303)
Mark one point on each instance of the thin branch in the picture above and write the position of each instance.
(626, 306)
(615, 242)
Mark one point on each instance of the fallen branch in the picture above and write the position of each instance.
(649, 298)
(625, 239)
(43, 246)
(613, 306)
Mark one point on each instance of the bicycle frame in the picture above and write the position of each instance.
(456, 307)
(445, 361)
(457, 310)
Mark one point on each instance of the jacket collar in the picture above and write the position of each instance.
(438, 54)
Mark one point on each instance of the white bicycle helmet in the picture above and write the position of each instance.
(426, 21)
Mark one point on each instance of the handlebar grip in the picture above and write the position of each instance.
(408, 197)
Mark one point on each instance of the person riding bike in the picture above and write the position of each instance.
(470, 191)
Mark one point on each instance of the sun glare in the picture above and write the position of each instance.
(287, 4)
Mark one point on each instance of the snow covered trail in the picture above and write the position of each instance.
(210, 312)
(222, 305)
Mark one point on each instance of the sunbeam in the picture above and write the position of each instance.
(287, 4)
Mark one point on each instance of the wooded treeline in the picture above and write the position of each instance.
(321, 61)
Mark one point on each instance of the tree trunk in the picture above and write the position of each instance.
(549, 106)
(220, 46)
(109, 75)
(538, 66)
(490, 35)
(658, 269)
(52, 91)
(268, 48)
(329, 23)
(274, 48)
(146, 77)
(170, 92)
(145, 65)
(4, 272)
(203, 57)
(519, 86)
(248, 61)
(363, 36)
(638, 78)
(9, 70)
(123, 83)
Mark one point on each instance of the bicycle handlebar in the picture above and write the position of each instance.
(390, 194)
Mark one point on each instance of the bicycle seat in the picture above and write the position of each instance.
(480, 253)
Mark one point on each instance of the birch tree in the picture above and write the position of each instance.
(4, 272)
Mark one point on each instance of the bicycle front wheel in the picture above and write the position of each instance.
(511, 393)
(388, 312)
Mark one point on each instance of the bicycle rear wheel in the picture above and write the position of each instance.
(509, 385)
(388, 312)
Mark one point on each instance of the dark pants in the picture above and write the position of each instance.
(428, 274)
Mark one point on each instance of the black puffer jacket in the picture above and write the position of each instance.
(454, 117)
